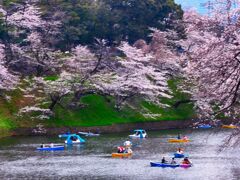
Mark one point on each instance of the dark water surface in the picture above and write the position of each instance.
(20, 160)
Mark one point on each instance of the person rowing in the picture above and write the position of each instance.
(173, 161)
(186, 161)
(164, 161)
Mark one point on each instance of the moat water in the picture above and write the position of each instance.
(92, 160)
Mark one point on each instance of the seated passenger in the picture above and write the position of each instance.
(164, 160)
(121, 149)
(178, 137)
(186, 161)
(185, 138)
(180, 151)
(127, 144)
(128, 150)
(173, 161)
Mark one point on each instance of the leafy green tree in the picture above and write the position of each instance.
(132, 18)
(114, 20)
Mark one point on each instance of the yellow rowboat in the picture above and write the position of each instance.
(178, 140)
(121, 155)
(229, 126)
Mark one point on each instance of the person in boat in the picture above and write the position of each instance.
(180, 151)
(127, 144)
(73, 138)
(128, 150)
(164, 160)
(186, 161)
(121, 149)
(179, 136)
(185, 138)
(42, 145)
(173, 161)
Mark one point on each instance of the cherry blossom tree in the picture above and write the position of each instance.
(212, 52)
(24, 17)
(123, 76)
(81, 69)
(164, 47)
(7, 80)
(136, 75)
(16, 20)
(35, 53)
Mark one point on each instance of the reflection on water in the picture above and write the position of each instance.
(19, 159)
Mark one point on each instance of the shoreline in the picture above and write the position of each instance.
(115, 128)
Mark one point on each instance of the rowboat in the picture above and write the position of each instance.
(72, 138)
(205, 126)
(229, 126)
(51, 147)
(139, 133)
(88, 134)
(121, 155)
(178, 140)
(163, 165)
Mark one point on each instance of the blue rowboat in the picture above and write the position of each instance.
(177, 155)
(158, 164)
(50, 148)
(205, 126)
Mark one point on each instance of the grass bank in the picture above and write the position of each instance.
(99, 111)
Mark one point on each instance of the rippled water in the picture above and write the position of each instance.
(20, 160)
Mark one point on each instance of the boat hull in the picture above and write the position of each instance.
(229, 126)
(73, 142)
(88, 134)
(157, 164)
(121, 155)
(178, 140)
(185, 165)
(137, 136)
(204, 126)
(59, 148)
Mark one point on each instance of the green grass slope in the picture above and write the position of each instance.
(100, 112)
(6, 122)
